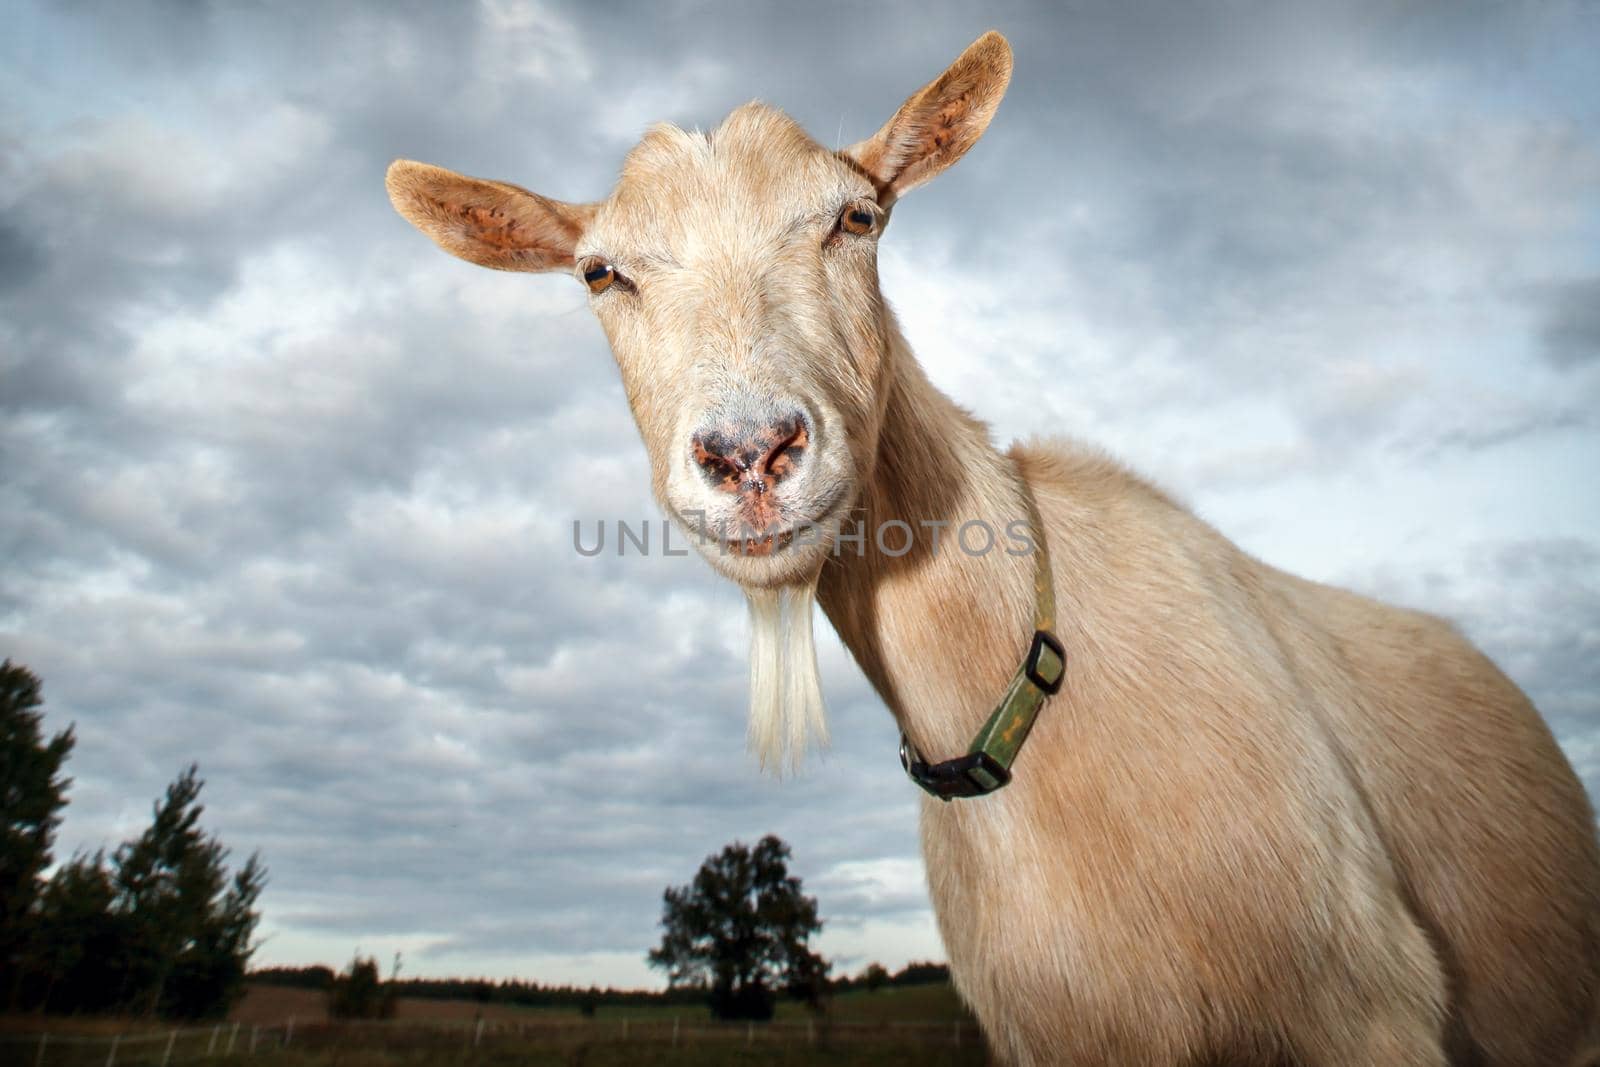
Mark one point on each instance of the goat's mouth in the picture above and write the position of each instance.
(750, 542)
(760, 546)
(755, 542)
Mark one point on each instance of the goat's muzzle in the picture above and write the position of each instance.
(750, 456)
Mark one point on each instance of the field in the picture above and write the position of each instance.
(270, 1005)
(276, 1026)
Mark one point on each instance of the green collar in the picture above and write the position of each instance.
(987, 764)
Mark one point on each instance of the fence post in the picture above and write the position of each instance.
(288, 1032)
(166, 1057)
(111, 1054)
(38, 1061)
(211, 1046)
(255, 1032)
(477, 1037)
(624, 1029)
(674, 1031)
(749, 1034)
(811, 1032)
(957, 1037)
(232, 1036)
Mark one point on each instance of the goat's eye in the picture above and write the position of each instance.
(857, 219)
(599, 276)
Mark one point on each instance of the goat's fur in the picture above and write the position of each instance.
(1265, 821)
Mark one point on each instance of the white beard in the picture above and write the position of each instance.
(786, 709)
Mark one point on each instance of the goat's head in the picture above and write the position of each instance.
(735, 274)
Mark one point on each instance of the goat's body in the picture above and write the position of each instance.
(1265, 821)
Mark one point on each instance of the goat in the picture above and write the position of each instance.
(1263, 821)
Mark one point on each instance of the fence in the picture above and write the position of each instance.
(223, 1042)
(164, 1047)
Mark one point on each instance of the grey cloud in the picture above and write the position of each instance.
(20, 259)
(1571, 332)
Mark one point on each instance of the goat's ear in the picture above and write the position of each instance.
(492, 224)
(940, 122)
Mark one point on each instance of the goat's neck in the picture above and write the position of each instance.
(938, 633)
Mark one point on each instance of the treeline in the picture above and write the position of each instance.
(482, 990)
(577, 998)
(158, 927)
(874, 977)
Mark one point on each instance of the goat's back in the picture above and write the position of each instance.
(1488, 827)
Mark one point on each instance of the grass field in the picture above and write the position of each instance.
(923, 1025)
(268, 1005)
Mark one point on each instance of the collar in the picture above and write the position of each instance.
(986, 766)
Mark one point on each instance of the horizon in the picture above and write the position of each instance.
(470, 979)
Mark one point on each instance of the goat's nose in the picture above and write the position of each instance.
(751, 455)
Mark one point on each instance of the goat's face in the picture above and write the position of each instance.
(737, 281)
(735, 274)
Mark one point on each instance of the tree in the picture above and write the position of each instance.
(207, 976)
(187, 924)
(164, 927)
(741, 931)
(32, 794)
(78, 967)
(922, 972)
(359, 993)
(875, 977)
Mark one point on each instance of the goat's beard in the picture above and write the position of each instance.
(786, 709)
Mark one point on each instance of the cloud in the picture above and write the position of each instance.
(1571, 331)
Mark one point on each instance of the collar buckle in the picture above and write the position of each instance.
(1046, 665)
(975, 774)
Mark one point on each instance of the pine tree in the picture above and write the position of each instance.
(186, 927)
(78, 965)
(163, 928)
(32, 794)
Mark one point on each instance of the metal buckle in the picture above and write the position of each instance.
(972, 775)
(1043, 639)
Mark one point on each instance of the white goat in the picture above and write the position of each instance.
(1264, 821)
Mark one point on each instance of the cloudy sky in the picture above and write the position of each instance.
(287, 491)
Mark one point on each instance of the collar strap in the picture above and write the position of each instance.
(987, 764)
